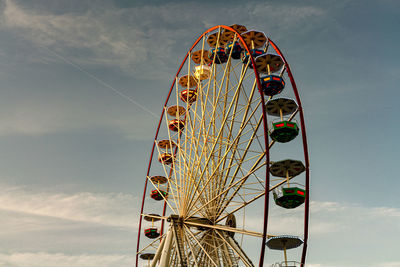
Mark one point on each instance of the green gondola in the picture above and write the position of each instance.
(158, 195)
(151, 232)
(284, 131)
(291, 197)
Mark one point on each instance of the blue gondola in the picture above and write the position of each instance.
(221, 56)
(272, 84)
(236, 49)
(254, 52)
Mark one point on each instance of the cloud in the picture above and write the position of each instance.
(373, 264)
(288, 16)
(386, 212)
(328, 218)
(389, 264)
(108, 209)
(144, 39)
(97, 37)
(43, 259)
(317, 206)
(327, 265)
(44, 226)
(75, 31)
(31, 217)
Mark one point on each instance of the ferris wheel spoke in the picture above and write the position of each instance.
(243, 118)
(254, 198)
(225, 100)
(175, 171)
(249, 99)
(238, 138)
(228, 151)
(244, 158)
(240, 161)
(184, 173)
(254, 168)
(194, 142)
(200, 132)
(223, 228)
(203, 127)
(212, 148)
(188, 169)
(235, 161)
(174, 181)
(190, 174)
(257, 165)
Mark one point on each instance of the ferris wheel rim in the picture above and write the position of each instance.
(265, 124)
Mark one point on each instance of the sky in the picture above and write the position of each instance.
(82, 85)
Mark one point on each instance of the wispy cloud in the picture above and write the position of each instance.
(370, 264)
(345, 216)
(75, 31)
(111, 209)
(329, 221)
(144, 37)
(100, 38)
(389, 264)
(43, 259)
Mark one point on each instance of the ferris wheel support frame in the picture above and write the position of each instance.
(267, 147)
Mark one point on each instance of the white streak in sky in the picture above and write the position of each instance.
(100, 81)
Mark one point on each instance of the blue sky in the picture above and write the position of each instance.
(74, 152)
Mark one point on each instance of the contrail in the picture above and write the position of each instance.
(101, 82)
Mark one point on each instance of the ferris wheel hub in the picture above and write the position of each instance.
(199, 221)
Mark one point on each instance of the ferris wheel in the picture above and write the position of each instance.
(206, 198)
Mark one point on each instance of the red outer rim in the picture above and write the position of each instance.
(266, 197)
(305, 148)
